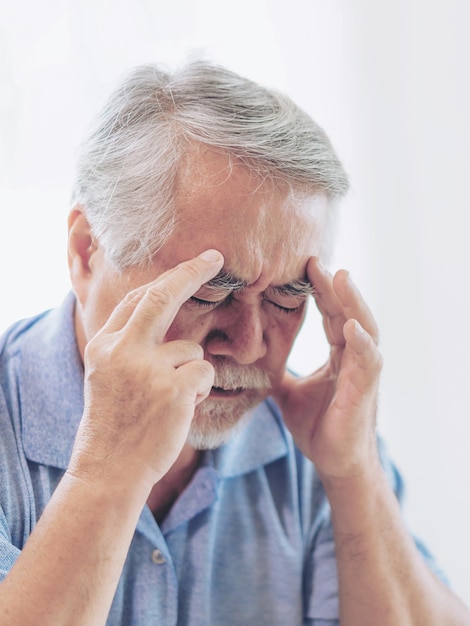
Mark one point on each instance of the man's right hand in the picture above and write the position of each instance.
(141, 393)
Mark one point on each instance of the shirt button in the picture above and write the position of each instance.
(157, 557)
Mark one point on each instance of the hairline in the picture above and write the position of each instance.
(128, 165)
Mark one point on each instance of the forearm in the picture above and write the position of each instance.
(140, 395)
(383, 579)
(68, 570)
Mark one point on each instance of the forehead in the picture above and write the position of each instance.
(261, 226)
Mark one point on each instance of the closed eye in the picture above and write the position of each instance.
(212, 304)
(285, 309)
(205, 303)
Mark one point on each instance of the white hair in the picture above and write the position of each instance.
(128, 167)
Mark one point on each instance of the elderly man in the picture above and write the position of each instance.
(159, 464)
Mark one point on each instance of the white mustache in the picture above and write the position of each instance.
(229, 376)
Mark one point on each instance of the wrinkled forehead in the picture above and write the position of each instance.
(252, 219)
(279, 240)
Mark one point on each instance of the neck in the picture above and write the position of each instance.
(166, 491)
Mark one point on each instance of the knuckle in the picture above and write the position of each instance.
(197, 373)
(160, 297)
(191, 269)
(96, 349)
(132, 297)
(193, 349)
(102, 359)
(205, 376)
(375, 358)
(206, 368)
(183, 350)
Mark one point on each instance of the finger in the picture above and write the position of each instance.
(123, 311)
(354, 305)
(163, 297)
(197, 378)
(179, 352)
(338, 299)
(368, 359)
(327, 302)
(322, 281)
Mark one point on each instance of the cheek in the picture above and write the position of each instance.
(189, 325)
(281, 337)
(289, 325)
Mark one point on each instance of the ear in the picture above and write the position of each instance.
(81, 248)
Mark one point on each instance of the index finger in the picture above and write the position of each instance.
(155, 305)
(338, 300)
(354, 305)
(327, 302)
(323, 291)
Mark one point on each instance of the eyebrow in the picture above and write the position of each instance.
(296, 288)
(225, 281)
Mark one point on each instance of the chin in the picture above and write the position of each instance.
(216, 420)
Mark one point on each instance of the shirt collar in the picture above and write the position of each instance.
(51, 392)
(260, 442)
(51, 387)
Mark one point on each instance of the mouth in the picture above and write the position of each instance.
(220, 392)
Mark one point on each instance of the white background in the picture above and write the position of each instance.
(389, 81)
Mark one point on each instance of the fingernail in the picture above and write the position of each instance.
(358, 328)
(360, 332)
(211, 256)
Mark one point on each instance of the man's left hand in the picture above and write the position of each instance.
(332, 413)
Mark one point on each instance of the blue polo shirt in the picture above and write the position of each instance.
(249, 542)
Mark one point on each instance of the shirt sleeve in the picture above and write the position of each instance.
(16, 502)
(8, 552)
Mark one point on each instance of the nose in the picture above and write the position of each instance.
(239, 333)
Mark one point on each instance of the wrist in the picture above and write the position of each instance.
(358, 501)
(357, 472)
(110, 479)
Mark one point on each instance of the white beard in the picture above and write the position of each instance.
(215, 420)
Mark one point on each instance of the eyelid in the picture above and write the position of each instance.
(296, 299)
(290, 297)
(212, 295)
(207, 303)
(287, 309)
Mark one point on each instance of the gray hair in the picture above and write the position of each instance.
(128, 165)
